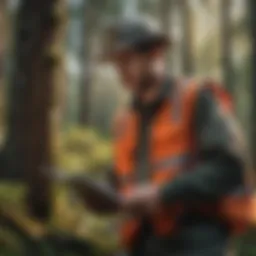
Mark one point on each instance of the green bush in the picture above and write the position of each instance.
(82, 150)
(78, 150)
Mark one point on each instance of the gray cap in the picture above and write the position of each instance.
(136, 34)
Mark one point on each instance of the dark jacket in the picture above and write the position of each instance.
(220, 171)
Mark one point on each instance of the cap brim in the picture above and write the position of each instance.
(142, 46)
(153, 41)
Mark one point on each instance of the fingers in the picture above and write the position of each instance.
(141, 201)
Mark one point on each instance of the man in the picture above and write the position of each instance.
(178, 153)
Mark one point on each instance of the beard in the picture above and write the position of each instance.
(149, 79)
(152, 75)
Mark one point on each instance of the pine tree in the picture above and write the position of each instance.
(29, 146)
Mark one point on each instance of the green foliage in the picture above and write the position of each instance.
(79, 150)
(82, 150)
(246, 244)
(10, 239)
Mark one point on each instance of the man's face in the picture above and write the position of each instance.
(134, 67)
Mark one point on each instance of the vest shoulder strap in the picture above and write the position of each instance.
(183, 96)
(121, 122)
(186, 92)
(220, 93)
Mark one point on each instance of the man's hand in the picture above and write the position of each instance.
(143, 200)
(97, 205)
(98, 197)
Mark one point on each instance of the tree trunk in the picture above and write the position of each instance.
(226, 44)
(85, 90)
(28, 148)
(187, 41)
(166, 15)
(252, 22)
(94, 13)
(3, 46)
(3, 31)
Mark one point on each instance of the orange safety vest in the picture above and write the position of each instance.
(172, 151)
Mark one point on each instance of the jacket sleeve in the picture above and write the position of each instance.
(220, 150)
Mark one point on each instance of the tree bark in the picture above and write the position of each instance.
(252, 22)
(3, 31)
(28, 147)
(226, 44)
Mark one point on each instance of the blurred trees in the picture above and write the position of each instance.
(84, 41)
(226, 44)
(86, 59)
(166, 20)
(165, 17)
(93, 12)
(187, 37)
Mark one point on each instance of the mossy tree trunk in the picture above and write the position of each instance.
(252, 22)
(28, 148)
